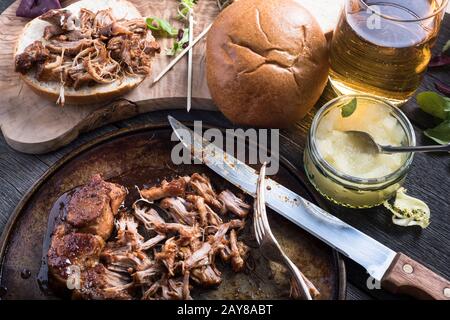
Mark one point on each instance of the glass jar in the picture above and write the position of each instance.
(345, 189)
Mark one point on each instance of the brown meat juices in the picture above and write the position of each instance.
(145, 253)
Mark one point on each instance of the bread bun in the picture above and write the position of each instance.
(267, 62)
(100, 92)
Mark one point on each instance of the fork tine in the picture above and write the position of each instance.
(255, 222)
(263, 212)
(260, 191)
(259, 226)
(259, 206)
(261, 200)
(258, 222)
(265, 223)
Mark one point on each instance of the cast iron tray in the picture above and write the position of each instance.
(141, 156)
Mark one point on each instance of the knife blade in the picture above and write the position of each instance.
(369, 253)
(379, 261)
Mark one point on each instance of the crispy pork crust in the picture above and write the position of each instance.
(78, 240)
(92, 208)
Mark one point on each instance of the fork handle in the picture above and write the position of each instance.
(298, 276)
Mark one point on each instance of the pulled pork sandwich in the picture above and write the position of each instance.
(88, 52)
(267, 62)
(144, 253)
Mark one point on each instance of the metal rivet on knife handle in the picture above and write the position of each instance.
(407, 276)
(408, 268)
(447, 292)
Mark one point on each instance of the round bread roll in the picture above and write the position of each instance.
(267, 62)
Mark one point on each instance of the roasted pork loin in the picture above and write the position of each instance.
(79, 238)
(92, 208)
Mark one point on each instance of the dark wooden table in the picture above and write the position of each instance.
(429, 179)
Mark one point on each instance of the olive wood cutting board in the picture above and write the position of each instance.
(32, 124)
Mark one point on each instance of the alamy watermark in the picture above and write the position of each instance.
(251, 146)
(373, 284)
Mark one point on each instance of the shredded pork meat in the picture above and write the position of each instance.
(174, 188)
(197, 232)
(149, 254)
(234, 204)
(194, 232)
(88, 48)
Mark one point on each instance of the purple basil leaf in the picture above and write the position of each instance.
(440, 61)
(443, 88)
(35, 8)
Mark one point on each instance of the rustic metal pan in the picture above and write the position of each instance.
(140, 156)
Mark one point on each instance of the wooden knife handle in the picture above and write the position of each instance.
(407, 276)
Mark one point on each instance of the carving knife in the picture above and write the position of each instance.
(397, 272)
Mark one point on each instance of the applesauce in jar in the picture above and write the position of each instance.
(341, 168)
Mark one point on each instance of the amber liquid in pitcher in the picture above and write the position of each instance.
(386, 58)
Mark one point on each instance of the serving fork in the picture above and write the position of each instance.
(269, 246)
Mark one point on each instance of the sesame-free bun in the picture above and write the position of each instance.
(100, 92)
(267, 62)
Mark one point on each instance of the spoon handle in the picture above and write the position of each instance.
(442, 148)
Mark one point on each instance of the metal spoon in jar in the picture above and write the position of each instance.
(369, 143)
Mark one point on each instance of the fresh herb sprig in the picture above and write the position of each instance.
(161, 27)
(439, 107)
(180, 43)
(348, 109)
(184, 8)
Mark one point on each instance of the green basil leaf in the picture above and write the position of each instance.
(161, 27)
(348, 109)
(441, 133)
(434, 104)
